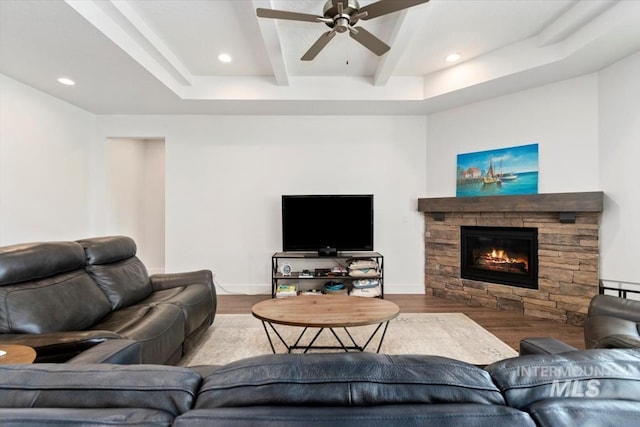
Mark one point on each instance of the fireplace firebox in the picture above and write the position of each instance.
(504, 255)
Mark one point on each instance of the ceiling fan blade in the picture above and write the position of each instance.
(384, 7)
(318, 45)
(368, 40)
(283, 14)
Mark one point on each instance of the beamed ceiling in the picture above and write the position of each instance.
(161, 56)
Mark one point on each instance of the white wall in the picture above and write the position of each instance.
(225, 176)
(134, 203)
(44, 164)
(619, 90)
(561, 117)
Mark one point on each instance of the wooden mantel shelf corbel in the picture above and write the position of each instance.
(566, 204)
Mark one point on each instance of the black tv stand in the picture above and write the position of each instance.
(299, 261)
(328, 251)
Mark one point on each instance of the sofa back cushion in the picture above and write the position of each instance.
(44, 288)
(112, 263)
(167, 388)
(586, 374)
(346, 379)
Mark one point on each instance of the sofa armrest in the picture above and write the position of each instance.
(56, 347)
(607, 305)
(544, 345)
(172, 280)
(121, 352)
(619, 341)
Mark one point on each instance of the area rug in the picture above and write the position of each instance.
(237, 336)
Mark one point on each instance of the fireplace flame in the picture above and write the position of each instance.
(500, 257)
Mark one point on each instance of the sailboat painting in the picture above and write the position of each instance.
(504, 171)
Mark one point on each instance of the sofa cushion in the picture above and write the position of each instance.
(194, 300)
(346, 379)
(418, 415)
(108, 249)
(158, 328)
(69, 301)
(585, 413)
(112, 264)
(593, 374)
(134, 417)
(32, 261)
(167, 388)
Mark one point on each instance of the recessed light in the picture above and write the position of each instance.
(224, 57)
(453, 57)
(66, 81)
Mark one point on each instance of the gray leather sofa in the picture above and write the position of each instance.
(582, 388)
(612, 322)
(63, 298)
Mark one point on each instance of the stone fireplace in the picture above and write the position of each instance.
(565, 258)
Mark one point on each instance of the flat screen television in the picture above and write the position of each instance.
(327, 223)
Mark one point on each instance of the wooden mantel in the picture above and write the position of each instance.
(555, 202)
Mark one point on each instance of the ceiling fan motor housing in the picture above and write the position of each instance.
(340, 21)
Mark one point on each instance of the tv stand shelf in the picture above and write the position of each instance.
(299, 261)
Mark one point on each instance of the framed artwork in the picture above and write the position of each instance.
(505, 171)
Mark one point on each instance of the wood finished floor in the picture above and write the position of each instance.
(509, 327)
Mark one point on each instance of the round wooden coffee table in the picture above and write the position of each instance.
(16, 354)
(325, 312)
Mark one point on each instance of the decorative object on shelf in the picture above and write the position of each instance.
(363, 268)
(305, 273)
(504, 171)
(366, 292)
(285, 269)
(286, 290)
(366, 283)
(366, 288)
(339, 270)
(332, 287)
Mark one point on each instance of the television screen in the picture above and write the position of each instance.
(339, 222)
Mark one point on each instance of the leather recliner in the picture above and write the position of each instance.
(62, 298)
(612, 322)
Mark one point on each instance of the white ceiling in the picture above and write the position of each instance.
(160, 56)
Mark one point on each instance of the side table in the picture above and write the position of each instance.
(16, 354)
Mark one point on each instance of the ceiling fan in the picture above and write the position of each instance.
(341, 16)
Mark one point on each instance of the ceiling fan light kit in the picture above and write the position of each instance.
(341, 16)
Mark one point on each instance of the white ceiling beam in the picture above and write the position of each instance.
(271, 40)
(398, 42)
(125, 8)
(576, 17)
(110, 21)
